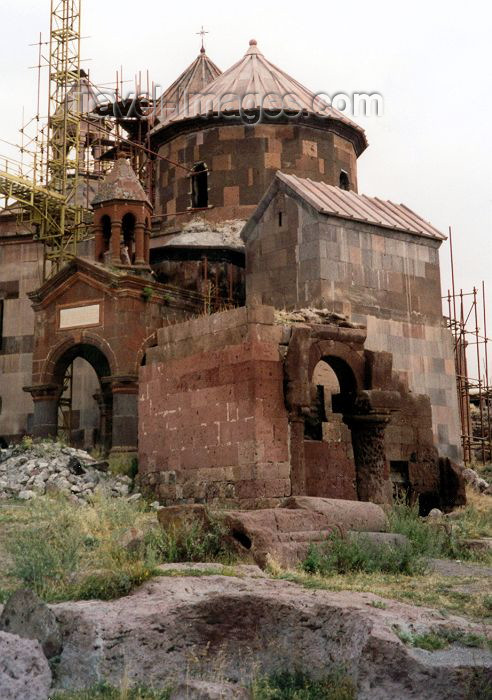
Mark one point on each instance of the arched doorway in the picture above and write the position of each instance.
(328, 452)
(84, 408)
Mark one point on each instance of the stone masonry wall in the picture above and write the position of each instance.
(242, 161)
(387, 280)
(20, 272)
(212, 420)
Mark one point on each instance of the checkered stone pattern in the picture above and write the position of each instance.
(242, 161)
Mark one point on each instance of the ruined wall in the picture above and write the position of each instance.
(20, 272)
(242, 161)
(21, 264)
(212, 391)
(387, 280)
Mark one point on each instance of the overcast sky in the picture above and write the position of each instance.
(429, 59)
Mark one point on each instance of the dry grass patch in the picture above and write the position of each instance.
(64, 551)
(429, 590)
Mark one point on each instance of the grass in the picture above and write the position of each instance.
(426, 539)
(67, 552)
(342, 556)
(443, 538)
(427, 590)
(280, 686)
(299, 686)
(104, 691)
(442, 638)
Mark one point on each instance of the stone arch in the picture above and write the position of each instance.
(53, 410)
(48, 374)
(348, 365)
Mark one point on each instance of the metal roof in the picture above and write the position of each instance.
(334, 201)
(120, 183)
(254, 83)
(191, 81)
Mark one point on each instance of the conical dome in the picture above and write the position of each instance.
(191, 81)
(121, 184)
(254, 83)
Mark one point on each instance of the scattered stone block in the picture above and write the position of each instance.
(25, 615)
(349, 515)
(277, 535)
(24, 670)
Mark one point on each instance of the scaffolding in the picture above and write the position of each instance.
(53, 199)
(467, 320)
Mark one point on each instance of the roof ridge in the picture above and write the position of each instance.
(347, 204)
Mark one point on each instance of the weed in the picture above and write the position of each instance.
(378, 604)
(429, 590)
(192, 542)
(487, 602)
(103, 691)
(342, 556)
(441, 638)
(440, 539)
(299, 686)
(429, 641)
(66, 552)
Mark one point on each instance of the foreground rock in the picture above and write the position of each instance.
(234, 627)
(24, 671)
(27, 616)
(283, 536)
(50, 467)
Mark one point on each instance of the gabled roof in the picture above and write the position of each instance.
(191, 81)
(121, 184)
(255, 83)
(333, 201)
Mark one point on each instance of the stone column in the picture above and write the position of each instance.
(124, 423)
(297, 460)
(104, 403)
(115, 242)
(45, 418)
(147, 246)
(372, 470)
(98, 243)
(139, 244)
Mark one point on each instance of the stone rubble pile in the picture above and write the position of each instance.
(50, 468)
(476, 482)
(314, 316)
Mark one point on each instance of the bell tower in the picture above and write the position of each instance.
(122, 215)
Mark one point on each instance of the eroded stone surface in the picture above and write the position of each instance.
(178, 627)
(27, 616)
(24, 671)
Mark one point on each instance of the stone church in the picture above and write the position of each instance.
(247, 325)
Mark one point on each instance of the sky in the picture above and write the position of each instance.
(430, 60)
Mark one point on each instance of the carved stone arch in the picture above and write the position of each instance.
(74, 341)
(348, 364)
